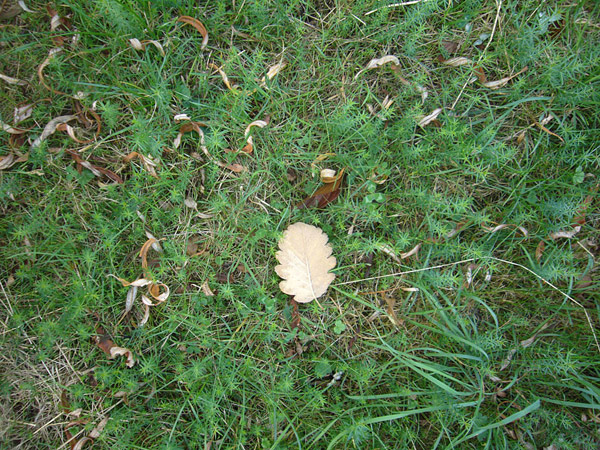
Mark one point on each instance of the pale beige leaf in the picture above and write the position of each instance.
(430, 118)
(457, 62)
(11, 80)
(50, 128)
(305, 261)
(378, 62)
(22, 112)
(499, 83)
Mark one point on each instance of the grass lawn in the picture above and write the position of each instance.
(466, 226)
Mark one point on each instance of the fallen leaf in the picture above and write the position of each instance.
(249, 147)
(378, 62)
(22, 113)
(11, 80)
(502, 226)
(96, 170)
(40, 71)
(390, 303)
(7, 161)
(565, 234)
(181, 117)
(82, 442)
(450, 46)
(324, 195)
(51, 127)
(147, 162)
(330, 175)
(198, 26)
(413, 251)
(224, 77)
(190, 203)
(95, 433)
(305, 261)
(272, 72)
(12, 130)
(480, 74)
(141, 45)
(206, 289)
(195, 126)
(108, 346)
(430, 118)
(539, 251)
(499, 83)
(457, 61)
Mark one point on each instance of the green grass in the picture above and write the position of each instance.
(225, 371)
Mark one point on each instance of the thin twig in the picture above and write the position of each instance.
(393, 5)
(587, 316)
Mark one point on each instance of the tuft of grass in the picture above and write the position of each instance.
(503, 361)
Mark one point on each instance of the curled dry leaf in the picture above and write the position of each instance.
(330, 175)
(430, 118)
(181, 117)
(12, 130)
(305, 261)
(147, 162)
(11, 80)
(224, 77)
(500, 83)
(7, 161)
(539, 250)
(95, 433)
(271, 73)
(141, 45)
(108, 346)
(565, 234)
(502, 226)
(249, 147)
(51, 127)
(324, 195)
(96, 170)
(198, 26)
(378, 62)
(40, 71)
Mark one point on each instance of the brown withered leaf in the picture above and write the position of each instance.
(539, 251)
(305, 259)
(96, 170)
(108, 346)
(231, 87)
(198, 26)
(324, 195)
(249, 147)
(147, 162)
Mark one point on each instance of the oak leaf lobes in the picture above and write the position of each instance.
(305, 261)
